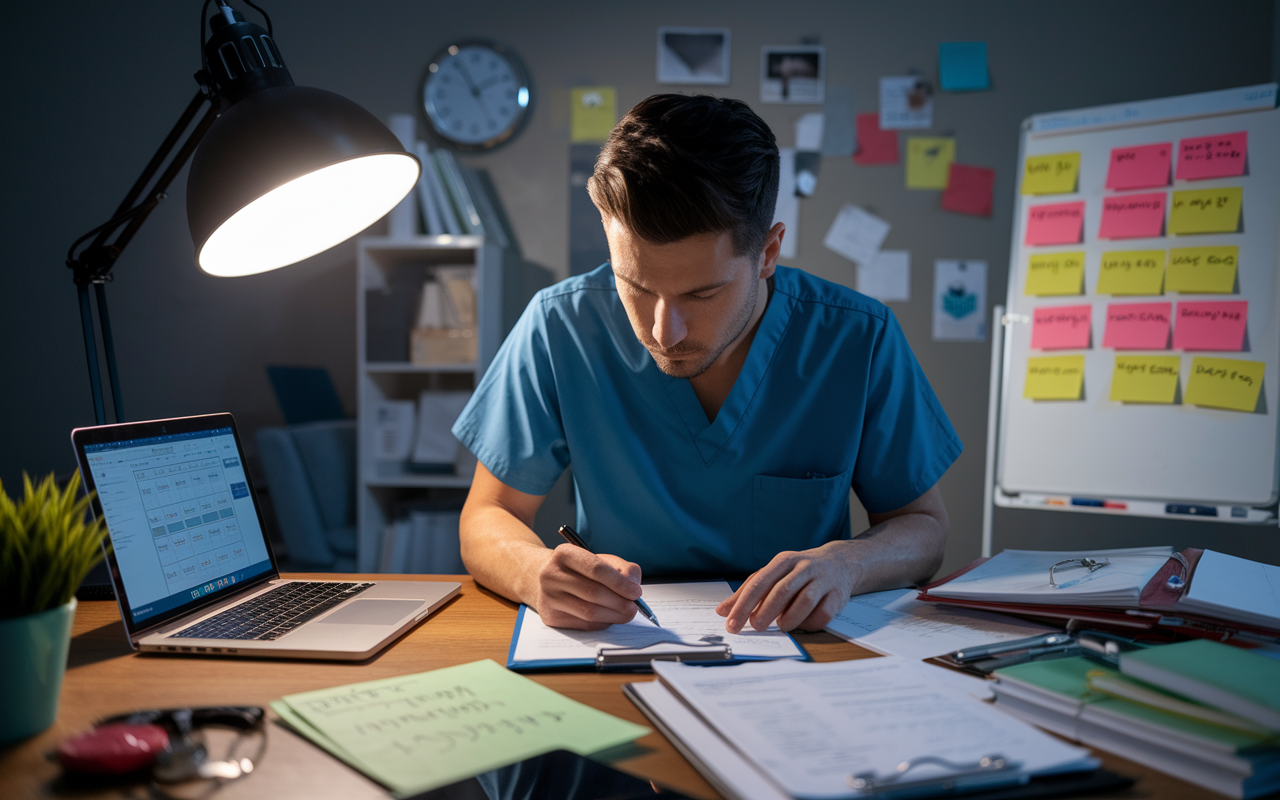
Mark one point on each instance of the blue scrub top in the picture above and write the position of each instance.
(830, 397)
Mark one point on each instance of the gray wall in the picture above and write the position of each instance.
(90, 89)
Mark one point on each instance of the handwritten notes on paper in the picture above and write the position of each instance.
(1055, 274)
(1206, 210)
(1142, 167)
(1132, 272)
(416, 732)
(1061, 328)
(1138, 326)
(1225, 383)
(1217, 325)
(1054, 378)
(875, 144)
(1203, 270)
(1219, 156)
(1051, 174)
(1133, 216)
(1055, 223)
(1145, 379)
(929, 161)
(969, 190)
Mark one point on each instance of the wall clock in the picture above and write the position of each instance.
(476, 94)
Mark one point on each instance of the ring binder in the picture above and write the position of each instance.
(871, 783)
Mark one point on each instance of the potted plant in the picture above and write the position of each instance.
(47, 546)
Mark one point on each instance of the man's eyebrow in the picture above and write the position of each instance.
(698, 290)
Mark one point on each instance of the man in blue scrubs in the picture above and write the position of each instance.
(716, 408)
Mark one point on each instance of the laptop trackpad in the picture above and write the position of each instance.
(373, 612)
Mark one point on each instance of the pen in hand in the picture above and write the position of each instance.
(571, 536)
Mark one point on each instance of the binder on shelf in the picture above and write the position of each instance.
(451, 177)
(435, 185)
(432, 221)
(486, 207)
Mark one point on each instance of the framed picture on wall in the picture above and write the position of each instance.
(793, 73)
(693, 55)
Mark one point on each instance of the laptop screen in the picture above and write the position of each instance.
(180, 515)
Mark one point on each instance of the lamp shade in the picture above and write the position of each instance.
(286, 173)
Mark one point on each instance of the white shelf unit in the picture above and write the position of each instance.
(389, 276)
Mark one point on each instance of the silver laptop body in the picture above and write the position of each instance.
(188, 544)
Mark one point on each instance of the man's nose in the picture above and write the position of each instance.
(669, 328)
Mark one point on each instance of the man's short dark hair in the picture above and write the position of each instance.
(677, 166)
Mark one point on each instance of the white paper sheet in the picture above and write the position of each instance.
(688, 615)
(1236, 589)
(896, 112)
(959, 301)
(888, 277)
(393, 430)
(810, 726)
(809, 129)
(1022, 576)
(856, 234)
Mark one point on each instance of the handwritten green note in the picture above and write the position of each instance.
(418, 732)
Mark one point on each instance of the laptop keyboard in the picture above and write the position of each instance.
(275, 613)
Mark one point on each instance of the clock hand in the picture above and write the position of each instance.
(475, 92)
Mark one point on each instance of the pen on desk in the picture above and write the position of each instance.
(989, 650)
(571, 536)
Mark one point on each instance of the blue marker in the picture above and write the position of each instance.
(1087, 501)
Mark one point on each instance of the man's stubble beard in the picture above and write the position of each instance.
(692, 369)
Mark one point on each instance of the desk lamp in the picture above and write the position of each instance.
(282, 172)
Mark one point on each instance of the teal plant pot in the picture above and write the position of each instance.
(34, 660)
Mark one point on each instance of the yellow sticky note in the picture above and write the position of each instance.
(1203, 270)
(1145, 379)
(1132, 272)
(1051, 174)
(929, 161)
(595, 110)
(1206, 210)
(1055, 273)
(1225, 383)
(1055, 378)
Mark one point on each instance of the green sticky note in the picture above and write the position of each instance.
(418, 732)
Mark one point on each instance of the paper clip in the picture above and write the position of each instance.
(871, 783)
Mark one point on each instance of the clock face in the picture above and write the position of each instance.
(475, 95)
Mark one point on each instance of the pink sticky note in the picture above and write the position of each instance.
(1061, 327)
(1138, 326)
(1056, 223)
(1143, 167)
(875, 146)
(1219, 156)
(969, 190)
(1132, 216)
(1215, 325)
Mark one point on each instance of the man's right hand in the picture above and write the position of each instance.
(581, 590)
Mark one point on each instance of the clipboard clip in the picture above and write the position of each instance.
(871, 783)
(636, 659)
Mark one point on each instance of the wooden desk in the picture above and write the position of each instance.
(105, 677)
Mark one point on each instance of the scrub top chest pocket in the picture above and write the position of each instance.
(797, 513)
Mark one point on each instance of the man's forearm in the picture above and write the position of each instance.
(501, 552)
(896, 552)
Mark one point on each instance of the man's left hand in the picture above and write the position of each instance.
(804, 589)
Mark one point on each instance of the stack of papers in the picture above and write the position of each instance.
(1234, 589)
(1022, 576)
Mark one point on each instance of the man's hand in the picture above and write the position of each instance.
(802, 589)
(581, 590)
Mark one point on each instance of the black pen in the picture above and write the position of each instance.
(571, 536)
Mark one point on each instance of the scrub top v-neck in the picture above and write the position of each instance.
(829, 398)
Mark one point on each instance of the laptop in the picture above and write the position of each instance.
(192, 568)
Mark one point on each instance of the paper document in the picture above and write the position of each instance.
(688, 615)
(811, 726)
(1022, 576)
(1234, 588)
(416, 732)
(895, 623)
(856, 234)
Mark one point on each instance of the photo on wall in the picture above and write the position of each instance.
(793, 74)
(693, 55)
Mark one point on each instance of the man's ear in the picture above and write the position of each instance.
(772, 247)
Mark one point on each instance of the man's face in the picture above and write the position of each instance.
(687, 301)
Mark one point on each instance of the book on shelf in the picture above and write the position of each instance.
(423, 542)
(451, 179)
(393, 429)
(429, 198)
(435, 447)
(445, 330)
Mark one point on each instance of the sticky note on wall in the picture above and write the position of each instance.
(1056, 223)
(1206, 210)
(1203, 270)
(594, 112)
(1132, 272)
(962, 66)
(1132, 216)
(1055, 274)
(1142, 167)
(875, 145)
(969, 190)
(1138, 326)
(1051, 174)
(1217, 325)
(929, 161)
(1145, 379)
(1054, 378)
(1219, 156)
(1061, 327)
(1225, 383)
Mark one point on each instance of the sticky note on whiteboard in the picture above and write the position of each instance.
(1061, 327)
(1203, 270)
(1051, 174)
(1142, 167)
(1206, 210)
(1055, 274)
(1216, 325)
(1225, 383)
(1054, 378)
(1138, 326)
(1132, 216)
(1055, 223)
(1132, 272)
(1145, 379)
(1219, 156)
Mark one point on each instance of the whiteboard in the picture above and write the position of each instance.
(1096, 447)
